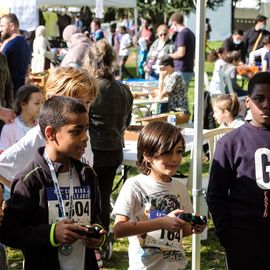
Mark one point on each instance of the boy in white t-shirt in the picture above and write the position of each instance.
(57, 195)
(148, 205)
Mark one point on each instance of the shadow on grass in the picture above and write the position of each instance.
(119, 261)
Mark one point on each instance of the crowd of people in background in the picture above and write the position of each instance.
(86, 112)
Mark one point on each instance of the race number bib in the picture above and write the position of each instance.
(81, 212)
(163, 239)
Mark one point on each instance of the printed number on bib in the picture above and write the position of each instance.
(81, 211)
(163, 239)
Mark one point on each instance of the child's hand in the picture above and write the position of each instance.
(95, 242)
(67, 232)
(198, 228)
(173, 223)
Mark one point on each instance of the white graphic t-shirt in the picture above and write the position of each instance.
(143, 198)
(81, 214)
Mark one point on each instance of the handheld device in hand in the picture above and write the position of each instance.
(193, 219)
(93, 231)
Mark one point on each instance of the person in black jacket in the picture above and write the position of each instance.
(56, 196)
(235, 43)
(109, 116)
(253, 38)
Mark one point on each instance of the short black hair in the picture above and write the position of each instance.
(55, 112)
(166, 60)
(260, 18)
(258, 78)
(238, 32)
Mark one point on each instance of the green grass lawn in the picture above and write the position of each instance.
(212, 255)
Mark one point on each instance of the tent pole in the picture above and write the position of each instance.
(136, 32)
(198, 124)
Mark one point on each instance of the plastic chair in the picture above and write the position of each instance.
(210, 137)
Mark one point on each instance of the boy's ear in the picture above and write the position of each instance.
(247, 101)
(49, 133)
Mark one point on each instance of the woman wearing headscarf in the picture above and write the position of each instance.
(42, 54)
(77, 44)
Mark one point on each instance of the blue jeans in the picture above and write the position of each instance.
(187, 77)
(142, 58)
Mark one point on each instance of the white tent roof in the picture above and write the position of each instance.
(27, 12)
(90, 3)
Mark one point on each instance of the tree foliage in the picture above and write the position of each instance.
(157, 10)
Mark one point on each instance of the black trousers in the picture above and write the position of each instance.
(105, 179)
(248, 250)
(122, 68)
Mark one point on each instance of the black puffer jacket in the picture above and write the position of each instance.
(25, 225)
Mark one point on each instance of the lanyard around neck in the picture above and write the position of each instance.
(57, 188)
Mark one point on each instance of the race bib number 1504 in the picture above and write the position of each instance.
(81, 211)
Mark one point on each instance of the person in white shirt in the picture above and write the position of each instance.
(260, 53)
(28, 101)
(68, 81)
(226, 110)
(124, 51)
(42, 54)
(148, 206)
(218, 56)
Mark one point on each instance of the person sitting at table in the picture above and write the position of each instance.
(162, 45)
(232, 60)
(172, 85)
(235, 43)
(260, 53)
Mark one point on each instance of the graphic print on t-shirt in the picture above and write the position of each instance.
(262, 168)
(159, 205)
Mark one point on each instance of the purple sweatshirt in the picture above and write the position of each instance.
(240, 182)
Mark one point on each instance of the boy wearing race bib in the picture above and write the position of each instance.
(57, 195)
(148, 205)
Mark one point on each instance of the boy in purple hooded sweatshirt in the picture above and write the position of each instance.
(238, 190)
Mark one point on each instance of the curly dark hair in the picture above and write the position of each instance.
(100, 60)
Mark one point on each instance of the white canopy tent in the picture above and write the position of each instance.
(27, 10)
(90, 3)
